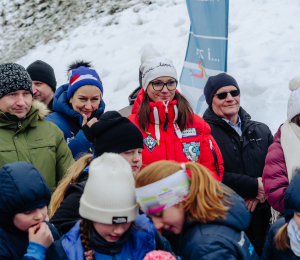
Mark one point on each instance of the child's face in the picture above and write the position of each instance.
(297, 218)
(134, 158)
(25, 220)
(171, 219)
(111, 233)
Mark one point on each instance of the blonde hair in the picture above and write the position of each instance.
(206, 200)
(281, 238)
(72, 176)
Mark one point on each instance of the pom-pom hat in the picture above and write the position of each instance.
(159, 255)
(83, 76)
(109, 193)
(293, 107)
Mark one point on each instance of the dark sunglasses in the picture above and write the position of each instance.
(223, 95)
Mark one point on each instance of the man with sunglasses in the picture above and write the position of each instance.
(244, 145)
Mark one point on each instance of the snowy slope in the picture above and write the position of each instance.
(263, 50)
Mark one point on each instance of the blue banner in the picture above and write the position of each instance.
(206, 53)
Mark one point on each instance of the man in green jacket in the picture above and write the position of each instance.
(24, 135)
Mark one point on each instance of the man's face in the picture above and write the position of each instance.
(17, 103)
(42, 92)
(228, 107)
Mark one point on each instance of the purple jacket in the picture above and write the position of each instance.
(275, 177)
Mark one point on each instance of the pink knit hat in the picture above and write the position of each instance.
(159, 255)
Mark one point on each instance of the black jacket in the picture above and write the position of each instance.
(67, 214)
(270, 250)
(244, 157)
(220, 239)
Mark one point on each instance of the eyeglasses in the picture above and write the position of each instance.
(223, 95)
(159, 85)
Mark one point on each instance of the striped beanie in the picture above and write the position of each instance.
(83, 76)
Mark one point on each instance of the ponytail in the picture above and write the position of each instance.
(85, 226)
(205, 201)
(70, 177)
(281, 238)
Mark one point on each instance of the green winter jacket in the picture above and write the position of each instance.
(36, 141)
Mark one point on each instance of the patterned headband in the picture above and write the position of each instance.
(164, 193)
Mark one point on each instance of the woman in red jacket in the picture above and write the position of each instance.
(170, 129)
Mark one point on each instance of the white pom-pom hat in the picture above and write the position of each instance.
(293, 108)
(109, 193)
(154, 66)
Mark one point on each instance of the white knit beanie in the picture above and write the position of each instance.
(293, 108)
(154, 66)
(109, 193)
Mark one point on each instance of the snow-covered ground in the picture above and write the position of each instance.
(263, 55)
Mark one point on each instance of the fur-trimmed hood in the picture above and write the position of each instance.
(43, 109)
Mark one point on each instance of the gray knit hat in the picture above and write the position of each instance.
(14, 77)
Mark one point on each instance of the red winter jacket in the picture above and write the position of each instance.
(275, 178)
(196, 143)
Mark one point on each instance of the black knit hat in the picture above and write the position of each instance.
(115, 134)
(42, 71)
(13, 77)
(216, 82)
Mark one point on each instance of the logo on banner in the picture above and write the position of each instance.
(192, 151)
(150, 143)
(188, 132)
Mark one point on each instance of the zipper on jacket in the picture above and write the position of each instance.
(19, 124)
(235, 150)
(113, 257)
(166, 123)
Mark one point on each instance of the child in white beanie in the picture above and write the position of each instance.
(109, 214)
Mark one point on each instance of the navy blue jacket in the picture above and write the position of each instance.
(220, 239)
(270, 250)
(70, 122)
(21, 186)
(291, 205)
(143, 239)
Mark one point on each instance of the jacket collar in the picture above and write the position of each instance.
(161, 107)
(38, 111)
(211, 118)
(61, 105)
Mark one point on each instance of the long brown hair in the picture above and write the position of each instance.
(206, 200)
(72, 176)
(185, 112)
(281, 238)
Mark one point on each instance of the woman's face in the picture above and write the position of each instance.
(134, 158)
(111, 233)
(86, 100)
(161, 95)
(297, 218)
(171, 219)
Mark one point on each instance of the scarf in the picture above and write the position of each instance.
(294, 236)
(290, 142)
(100, 245)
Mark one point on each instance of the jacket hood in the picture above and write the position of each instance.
(132, 97)
(61, 105)
(22, 187)
(277, 136)
(238, 216)
(292, 197)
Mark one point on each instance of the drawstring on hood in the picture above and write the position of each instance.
(156, 120)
